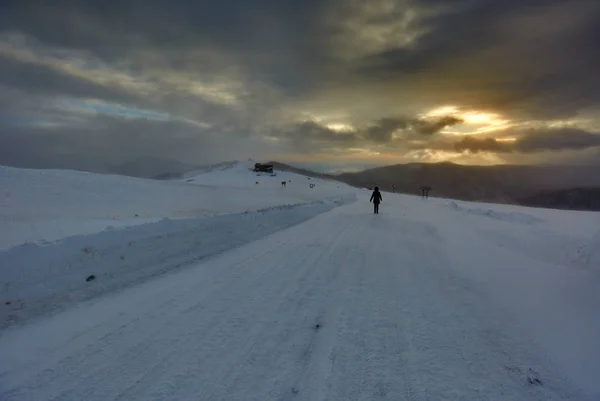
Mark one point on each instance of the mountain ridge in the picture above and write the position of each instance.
(525, 185)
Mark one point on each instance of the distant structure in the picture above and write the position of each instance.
(263, 168)
(425, 191)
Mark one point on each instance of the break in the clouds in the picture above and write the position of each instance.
(390, 132)
(92, 84)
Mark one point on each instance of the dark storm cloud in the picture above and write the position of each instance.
(308, 135)
(242, 66)
(106, 141)
(532, 141)
(40, 79)
(430, 127)
(381, 131)
(536, 58)
(476, 145)
(482, 53)
(557, 139)
(378, 132)
(271, 38)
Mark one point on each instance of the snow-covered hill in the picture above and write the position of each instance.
(48, 205)
(319, 299)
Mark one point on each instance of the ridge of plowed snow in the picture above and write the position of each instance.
(40, 279)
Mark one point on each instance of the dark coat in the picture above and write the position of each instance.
(376, 197)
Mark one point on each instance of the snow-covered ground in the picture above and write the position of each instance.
(47, 205)
(431, 299)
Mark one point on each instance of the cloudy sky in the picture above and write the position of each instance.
(332, 83)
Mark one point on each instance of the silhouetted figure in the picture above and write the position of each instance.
(376, 199)
(425, 192)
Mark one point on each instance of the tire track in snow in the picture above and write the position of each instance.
(295, 319)
(269, 337)
(390, 376)
(349, 362)
(310, 379)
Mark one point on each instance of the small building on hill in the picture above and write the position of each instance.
(263, 168)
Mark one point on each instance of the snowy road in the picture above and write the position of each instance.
(346, 306)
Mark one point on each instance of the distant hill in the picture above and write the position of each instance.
(571, 199)
(562, 187)
(302, 171)
(150, 167)
(207, 168)
(446, 180)
(539, 185)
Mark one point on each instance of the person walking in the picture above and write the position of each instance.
(376, 199)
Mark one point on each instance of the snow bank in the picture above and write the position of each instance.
(556, 237)
(36, 279)
(587, 255)
(540, 266)
(516, 217)
(552, 302)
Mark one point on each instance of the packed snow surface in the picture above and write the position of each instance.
(317, 300)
